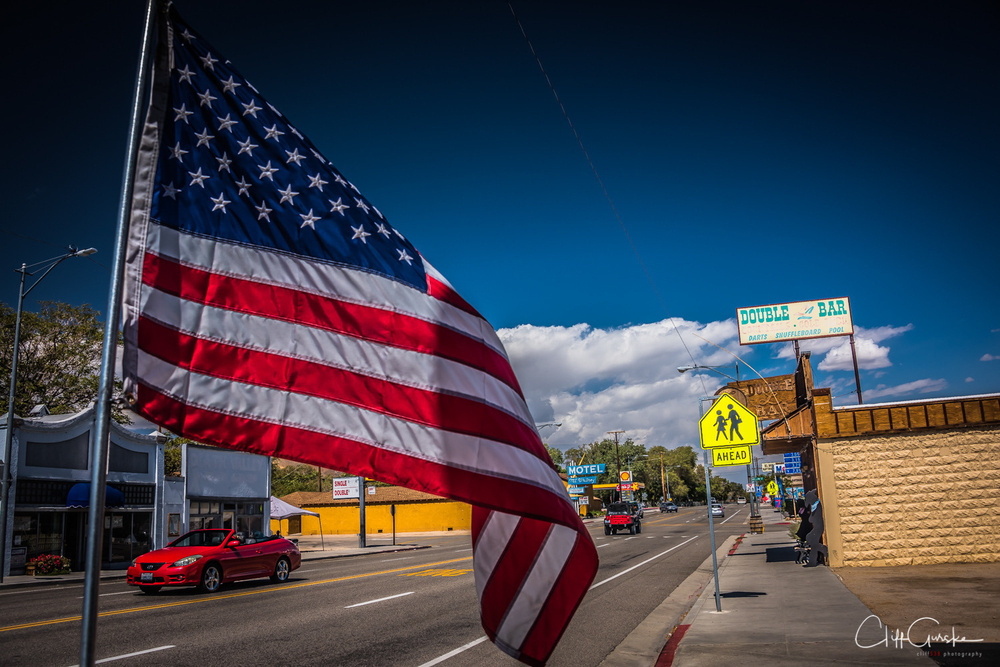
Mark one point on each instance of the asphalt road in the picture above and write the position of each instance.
(407, 608)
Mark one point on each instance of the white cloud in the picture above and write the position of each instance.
(924, 386)
(597, 380)
(970, 379)
(837, 350)
(989, 357)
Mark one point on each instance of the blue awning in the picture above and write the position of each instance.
(79, 496)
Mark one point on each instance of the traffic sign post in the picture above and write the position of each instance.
(708, 495)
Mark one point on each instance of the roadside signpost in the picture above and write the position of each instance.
(727, 430)
(345, 487)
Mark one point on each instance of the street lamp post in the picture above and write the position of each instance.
(9, 433)
(715, 369)
(618, 459)
(664, 475)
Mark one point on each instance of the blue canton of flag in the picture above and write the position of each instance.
(240, 171)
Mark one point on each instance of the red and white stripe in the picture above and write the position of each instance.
(281, 355)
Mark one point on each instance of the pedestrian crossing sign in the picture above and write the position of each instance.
(728, 423)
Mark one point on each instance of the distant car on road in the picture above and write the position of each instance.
(741, 501)
(622, 516)
(668, 507)
(717, 511)
(213, 557)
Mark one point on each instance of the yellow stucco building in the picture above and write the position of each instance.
(415, 512)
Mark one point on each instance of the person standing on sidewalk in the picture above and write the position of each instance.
(815, 537)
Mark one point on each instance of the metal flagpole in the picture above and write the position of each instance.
(99, 457)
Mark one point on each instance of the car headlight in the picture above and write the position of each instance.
(184, 562)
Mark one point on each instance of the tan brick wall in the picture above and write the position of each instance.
(913, 498)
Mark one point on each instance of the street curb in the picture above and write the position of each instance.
(321, 555)
(41, 582)
(643, 645)
(38, 582)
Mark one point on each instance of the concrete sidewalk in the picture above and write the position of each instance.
(776, 613)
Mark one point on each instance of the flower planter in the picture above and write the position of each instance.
(48, 565)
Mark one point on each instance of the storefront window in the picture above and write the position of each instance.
(246, 518)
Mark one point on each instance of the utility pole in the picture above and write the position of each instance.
(663, 480)
(618, 460)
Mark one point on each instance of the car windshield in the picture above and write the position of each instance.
(201, 538)
(619, 508)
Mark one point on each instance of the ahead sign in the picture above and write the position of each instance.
(728, 423)
(731, 456)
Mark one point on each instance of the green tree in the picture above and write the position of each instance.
(59, 361)
(291, 477)
(556, 455)
(679, 464)
(172, 458)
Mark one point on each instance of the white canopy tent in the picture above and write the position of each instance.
(282, 510)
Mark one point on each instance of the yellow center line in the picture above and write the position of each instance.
(215, 598)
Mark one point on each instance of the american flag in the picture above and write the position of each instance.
(270, 307)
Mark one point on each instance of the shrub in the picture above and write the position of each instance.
(50, 564)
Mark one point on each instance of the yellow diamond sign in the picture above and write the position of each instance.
(728, 423)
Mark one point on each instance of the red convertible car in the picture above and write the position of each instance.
(212, 557)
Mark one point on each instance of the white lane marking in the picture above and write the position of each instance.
(452, 654)
(737, 514)
(389, 560)
(391, 597)
(601, 546)
(132, 655)
(628, 538)
(648, 560)
(458, 551)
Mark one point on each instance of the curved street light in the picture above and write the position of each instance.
(49, 264)
(694, 367)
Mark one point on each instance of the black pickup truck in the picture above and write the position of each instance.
(622, 516)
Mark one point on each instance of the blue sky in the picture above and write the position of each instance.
(755, 153)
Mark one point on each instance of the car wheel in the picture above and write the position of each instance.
(150, 590)
(631, 529)
(211, 578)
(638, 528)
(607, 531)
(281, 571)
(614, 531)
